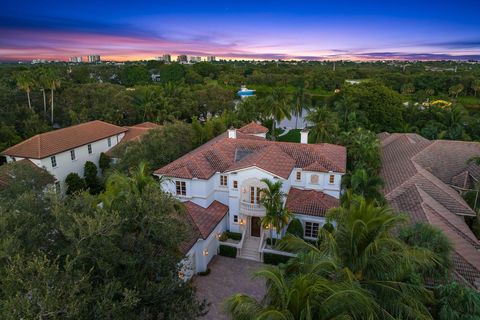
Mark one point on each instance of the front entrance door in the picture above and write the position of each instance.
(255, 225)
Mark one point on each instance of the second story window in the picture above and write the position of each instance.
(255, 195)
(331, 179)
(223, 181)
(299, 175)
(109, 142)
(235, 184)
(54, 161)
(72, 154)
(89, 149)
(181, 188)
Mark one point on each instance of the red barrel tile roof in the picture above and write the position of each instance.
(253, 128)
(310, 202)
(46, 144)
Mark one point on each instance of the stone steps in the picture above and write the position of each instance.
(250, 249)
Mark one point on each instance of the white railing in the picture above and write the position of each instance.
(240, 244)
(252, 209)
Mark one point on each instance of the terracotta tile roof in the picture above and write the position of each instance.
(253, 128)
(410, 165)
(310, 202)
(221, 154)
(137, 131)
(206, 219)
(7, 173)
(46, 144)
(148, 125)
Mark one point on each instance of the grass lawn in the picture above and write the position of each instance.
(292, 136)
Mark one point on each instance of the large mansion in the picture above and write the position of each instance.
(220, 184)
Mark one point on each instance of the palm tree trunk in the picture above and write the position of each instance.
(273, 129)
(28, 97)
(51, 106)
(44, 103)
(296, 119)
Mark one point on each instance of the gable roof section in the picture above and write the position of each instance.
(221, 154)
(137, 131)
(253, 128)
(310, 202)
(206, 219)
(409, 167)
(47, 144)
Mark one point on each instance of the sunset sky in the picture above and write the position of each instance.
(133, 30)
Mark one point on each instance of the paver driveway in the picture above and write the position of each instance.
(228, 276)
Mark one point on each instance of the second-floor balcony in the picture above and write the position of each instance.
(252, 209)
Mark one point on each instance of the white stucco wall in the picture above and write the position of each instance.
(66, 165)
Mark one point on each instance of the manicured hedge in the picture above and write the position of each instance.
(234, 235)
(275, 259)
(227, 251)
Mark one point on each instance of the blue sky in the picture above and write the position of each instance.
(129, 30)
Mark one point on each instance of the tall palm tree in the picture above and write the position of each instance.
(53, 83)
(364, 184)
(276, 107)
(366, 252)
(276, 216)
(324, 124)
(25, 83)
(43, 84)
(300, 102)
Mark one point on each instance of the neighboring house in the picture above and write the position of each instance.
(220, 184)
(66, 150)
(420, 176)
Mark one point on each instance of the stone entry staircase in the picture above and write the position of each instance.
(250, 249)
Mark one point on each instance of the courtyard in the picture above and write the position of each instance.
(228, 276)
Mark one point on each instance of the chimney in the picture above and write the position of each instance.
(304, 135)
(232, 133)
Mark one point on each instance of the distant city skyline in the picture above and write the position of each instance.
(349, 30)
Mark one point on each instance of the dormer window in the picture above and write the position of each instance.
(299, 175)
(223, 181)
(331, 179)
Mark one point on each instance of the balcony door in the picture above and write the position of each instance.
(255, 225)
(255, 195)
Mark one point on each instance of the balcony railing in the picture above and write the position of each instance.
(252, 209)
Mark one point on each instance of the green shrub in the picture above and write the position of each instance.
(295, 228)
(104, 162)
(227, 251)
(74, 183)
(275, 259)
(234, 235)
(329, 227)
(91, 178)
(223, 237)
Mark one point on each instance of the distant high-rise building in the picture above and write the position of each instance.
(93, 58)
(194, 59)
(76, 59)
(211, 58)
(182, 58)
(165, 58)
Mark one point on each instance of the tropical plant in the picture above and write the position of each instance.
(363, 250)
(364, 184)
(53, 83)
(276, 107)
(74, 183)
(363, 149)
(25, 82)
(425, 236)
(456, 90)
(300, 102)
(456, 302)
(91, 178)
(276, 216)
(475, 86)
(324, 124)
(303, 297)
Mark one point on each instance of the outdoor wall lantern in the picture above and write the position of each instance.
(242, 222)
(205, 252)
